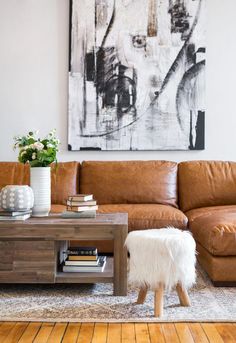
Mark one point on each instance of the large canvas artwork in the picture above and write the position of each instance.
(137, 75)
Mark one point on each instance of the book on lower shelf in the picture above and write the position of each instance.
(69, 262)
(82, 251)
(99, 267)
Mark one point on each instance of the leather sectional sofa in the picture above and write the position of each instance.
(195, 195)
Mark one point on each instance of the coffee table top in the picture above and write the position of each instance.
(55, 220)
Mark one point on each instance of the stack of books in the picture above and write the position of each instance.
(14, 215)
(80, 206)
(83, 259)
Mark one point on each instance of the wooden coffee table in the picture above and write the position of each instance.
(32, 251)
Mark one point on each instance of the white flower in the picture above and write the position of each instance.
(23, 152)
(37, 145)
(49, 145)
(52, 133)
(33, 156)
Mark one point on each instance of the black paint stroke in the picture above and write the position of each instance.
(181, 53)
(191, 147)
(179, 17)
(190, 74)
(70, 33)
(110, 24)
(200, 132)
(90, 66)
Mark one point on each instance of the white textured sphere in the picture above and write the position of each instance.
(16, 198)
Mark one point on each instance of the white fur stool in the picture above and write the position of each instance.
(162, 259)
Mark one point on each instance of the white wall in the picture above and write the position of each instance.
(33, 79)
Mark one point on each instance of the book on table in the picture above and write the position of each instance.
(83, 214)
(81, 203)
(80, 206)
(4, 213)
(86, 268)
(10, 216)
(80, 197)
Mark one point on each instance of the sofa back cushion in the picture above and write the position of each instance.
(130, 182)
(64, 181)
(64, 178)
(206, 183)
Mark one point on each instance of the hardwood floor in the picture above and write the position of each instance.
(24, 332)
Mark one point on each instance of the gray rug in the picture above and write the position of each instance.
(90, 303)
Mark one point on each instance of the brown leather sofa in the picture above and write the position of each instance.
(199, 195)
(207, 196)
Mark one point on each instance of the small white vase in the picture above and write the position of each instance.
(40, 182)
(16, 198)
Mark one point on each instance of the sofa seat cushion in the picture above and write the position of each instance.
(215, 228)
(148, 216)
(55, 208)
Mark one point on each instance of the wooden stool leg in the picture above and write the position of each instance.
(183, 295)
(142, 295)
(158, 305)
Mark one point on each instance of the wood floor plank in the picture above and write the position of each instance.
(212, 333)
(57, 333)
(36, 332)
(5, 329)
(16, 332)
(226, 332)
(86, 333)
(198, 333)
(100, 333)
(114, 333)
(156, 333)
(184, 333)
(170, 333)
(44, 332)
(232, 329)
(72, 333)
(142, 333)
(128, 333)
(30, 332)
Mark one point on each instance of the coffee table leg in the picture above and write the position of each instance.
(120, 261)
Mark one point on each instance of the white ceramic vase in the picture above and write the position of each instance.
(40, 182)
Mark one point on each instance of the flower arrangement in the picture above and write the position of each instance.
(35, 151)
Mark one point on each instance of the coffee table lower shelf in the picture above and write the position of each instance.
(103, 277)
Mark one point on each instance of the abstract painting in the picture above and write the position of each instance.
(137, 75)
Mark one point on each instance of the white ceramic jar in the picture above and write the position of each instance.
(16, 198)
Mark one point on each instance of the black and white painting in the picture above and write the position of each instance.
(137, 75)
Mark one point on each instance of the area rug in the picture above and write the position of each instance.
(95, 303)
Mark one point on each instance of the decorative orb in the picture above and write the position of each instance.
(16, 198)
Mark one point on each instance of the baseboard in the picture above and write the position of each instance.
(224, 283)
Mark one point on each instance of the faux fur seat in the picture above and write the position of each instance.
(162, 259)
